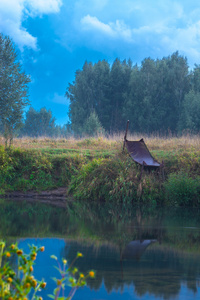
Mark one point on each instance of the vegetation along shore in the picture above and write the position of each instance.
(97, 169)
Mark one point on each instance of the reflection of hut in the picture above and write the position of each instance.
(135, 249)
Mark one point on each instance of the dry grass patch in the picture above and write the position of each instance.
(111, 142)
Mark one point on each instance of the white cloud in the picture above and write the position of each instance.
(89, 23)
(43, 6)
(186, 40)
(115, 30)
(13, 12)
(163, 27)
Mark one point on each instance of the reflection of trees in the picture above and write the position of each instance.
(20, 219)
(118, 224)
(159, 271)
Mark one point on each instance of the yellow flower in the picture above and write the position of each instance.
(64, 261)
(9, 279)
(42, 249)
(12, 246)
(91, 274)
(33, 256)
(8, 254)
(31, 269)
(79, 254)
(34, 283)
(10, 298)
(27, 285)
(82, 275)
(19, 252)
(43, 285)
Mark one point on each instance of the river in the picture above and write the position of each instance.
(137, 253)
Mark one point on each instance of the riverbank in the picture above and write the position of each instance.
(97, 169)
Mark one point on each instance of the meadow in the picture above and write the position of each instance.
(98, 169)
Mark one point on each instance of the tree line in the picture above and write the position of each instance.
(39, 123)
(160, 95)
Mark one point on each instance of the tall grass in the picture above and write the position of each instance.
(153, 141)
(96, 168)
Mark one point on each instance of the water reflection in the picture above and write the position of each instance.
(137, 253)
(160, 271)
(135, 249)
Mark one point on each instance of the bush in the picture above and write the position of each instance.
(115, 179)
(182, 190)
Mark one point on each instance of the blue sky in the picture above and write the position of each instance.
(56, 37)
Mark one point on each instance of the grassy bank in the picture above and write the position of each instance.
(97, 169)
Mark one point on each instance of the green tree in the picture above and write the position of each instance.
(13, 89)
(195, 78)
(190, 114)
(103, 106)
(89, 92)
(93, 126)
(81, 96)
(39, 123)
(118, 85)
(156, 93)
(177, 86)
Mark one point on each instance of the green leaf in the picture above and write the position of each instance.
(54, 257)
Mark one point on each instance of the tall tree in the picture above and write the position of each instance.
(101, 74)
(81, 96)
(177, 86)
(119, 80)
(190, 113)
(195, 78)
(13, 89)
(39, 123)
(89, 93)
(93, 126)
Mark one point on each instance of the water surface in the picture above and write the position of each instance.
(136, 253)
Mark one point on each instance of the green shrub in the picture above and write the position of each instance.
(182, 190)
(22, 170)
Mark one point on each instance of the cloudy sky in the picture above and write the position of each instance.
(56, 37)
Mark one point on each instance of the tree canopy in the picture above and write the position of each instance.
(160, 95)
(13, 88)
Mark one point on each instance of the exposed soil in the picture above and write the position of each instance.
(56, 197)
(59, 193)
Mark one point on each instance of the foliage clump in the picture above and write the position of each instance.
(24, 170)
(182, 190)
(115, 179)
